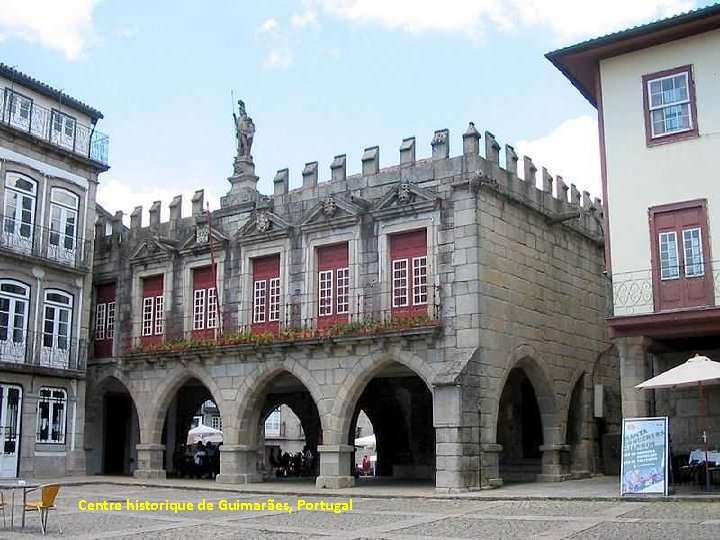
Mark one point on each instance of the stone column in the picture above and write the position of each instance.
(238, 464)
(336, 461)
(555, 463)
(635, 367)
(150, 461)
(490, 465)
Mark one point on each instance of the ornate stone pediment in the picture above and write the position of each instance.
(332, 212)
(405, 197)
(263, 224)
(199, 240)
(154, 248)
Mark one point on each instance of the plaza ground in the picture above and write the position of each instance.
(590, 509)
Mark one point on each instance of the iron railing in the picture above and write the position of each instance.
(44, 243)
(367, 317)
(42, 349)
(53, 127)
(631, 293)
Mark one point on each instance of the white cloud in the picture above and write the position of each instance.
(128, 32)
(269, 26)
(566, 18)
(63, 25)
(570, 150)
(279, 58)
(115, 194)
(302, 20)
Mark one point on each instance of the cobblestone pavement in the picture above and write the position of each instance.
(369, 518)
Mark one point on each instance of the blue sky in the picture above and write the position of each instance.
(319, 78)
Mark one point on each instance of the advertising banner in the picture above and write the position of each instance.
(644, 468)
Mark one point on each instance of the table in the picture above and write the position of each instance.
(699, 456)
(13, 484)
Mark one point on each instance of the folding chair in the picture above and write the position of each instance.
(48, 493)
(3, 504)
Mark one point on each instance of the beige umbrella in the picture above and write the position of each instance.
(697, 371)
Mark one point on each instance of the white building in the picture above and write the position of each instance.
(656, 88)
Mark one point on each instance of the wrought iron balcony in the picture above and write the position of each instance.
(45, 244)
(632, 293)
(41, 349)
(365, 322)
(53, 127)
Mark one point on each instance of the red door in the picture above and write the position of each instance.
(152, 325)
(205, 312)
(682, 270)
(408, 273)
(333, 285)
(104, 320)
(265, 316)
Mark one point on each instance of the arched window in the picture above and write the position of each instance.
(57, 328)
(19, 212)
(14, 303)
(63, 224)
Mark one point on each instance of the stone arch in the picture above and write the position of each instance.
(248, 408)
(580, 375)
(526, 358)
(153, 419)
(366, 368)
(112, 424)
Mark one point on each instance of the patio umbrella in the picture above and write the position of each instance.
(366, 442)
(205, 434)
(697, 371)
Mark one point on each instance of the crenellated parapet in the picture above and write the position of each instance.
(523, 182)
(517, 178)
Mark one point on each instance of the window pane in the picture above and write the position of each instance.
(400, 283)
(420, 280)
(325, 299)
(668, 256)
(693, 253)
(274, 312)
(343, 290)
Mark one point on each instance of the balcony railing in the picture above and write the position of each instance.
(364, 322)
(52, 127)
(631, 293)
(44, 243)
(41, 349)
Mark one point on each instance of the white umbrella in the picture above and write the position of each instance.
(205, 434)
(366, 442)
(697, 371)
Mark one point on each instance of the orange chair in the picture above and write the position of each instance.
(48, 493)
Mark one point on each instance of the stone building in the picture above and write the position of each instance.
(50, 157)
(459, 306)
(655, 88)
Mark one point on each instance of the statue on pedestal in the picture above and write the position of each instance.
(244, 132)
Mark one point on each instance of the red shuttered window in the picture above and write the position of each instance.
(333, 285)
(205, 306)
(409, 273)
(153, 310)
(266, 294)
(104, 320)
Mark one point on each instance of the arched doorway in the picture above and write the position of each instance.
(192, 432)
(519, 429)
(113, 429)
(399, 406)
(285, 429)
(578, 437)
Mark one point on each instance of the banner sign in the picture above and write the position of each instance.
(644, 468)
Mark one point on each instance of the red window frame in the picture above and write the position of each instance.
(152, 310)
(691, 133)
(409, 293)
(266, 294)
(204, 313)
(333, 285)
(105, 317)
(680, 288)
